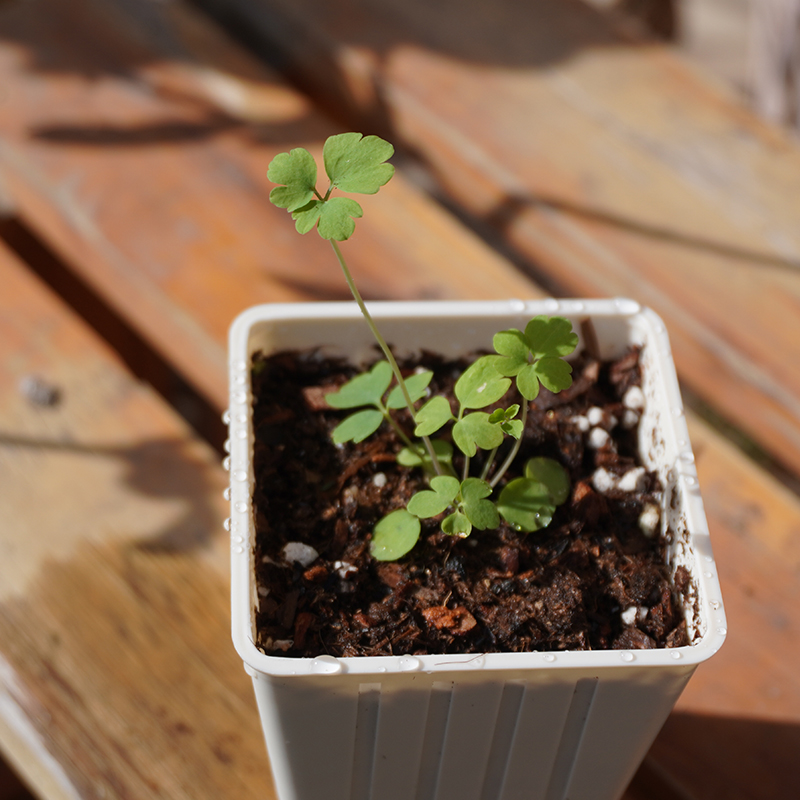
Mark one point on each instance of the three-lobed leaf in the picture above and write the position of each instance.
(481, 512)
(354, 163)
(357, 164)
(475, 431)
(550, 337)
(537, 356)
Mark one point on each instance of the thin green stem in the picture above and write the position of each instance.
(514, 450)
(385, 348)
(488, 465)
(400, 432)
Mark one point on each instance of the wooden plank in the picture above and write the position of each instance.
(117, 675)
(742, 538)
(613, 167)
(135, 142)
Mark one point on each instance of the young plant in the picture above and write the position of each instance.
(525, 360)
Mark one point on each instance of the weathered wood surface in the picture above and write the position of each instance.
(612, 167)
(111, 159)
(135, 140)
(117, 677)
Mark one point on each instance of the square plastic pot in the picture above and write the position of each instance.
(499, 726)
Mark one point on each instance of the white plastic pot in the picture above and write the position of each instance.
(538, 726)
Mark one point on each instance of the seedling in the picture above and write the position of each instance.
(524, 360)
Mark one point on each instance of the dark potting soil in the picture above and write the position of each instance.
(596, 578)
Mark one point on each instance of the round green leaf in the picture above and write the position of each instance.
(446, 485)
(394, 535)
(526, 504)
(457, 524)
(435, 413)
(358, 426)
(427, 504)
(474, 489)
(550, 473)
(365, 389)
(481, 384)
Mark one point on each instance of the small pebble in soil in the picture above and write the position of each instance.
(344, 569)
(598, 438)
(649, 519)
(634, 399)
(299, 553)
(633, 480)
(604, 481)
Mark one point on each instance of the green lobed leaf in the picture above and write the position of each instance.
(550, 336)
(430, 503)
(297, 171)
(337, 218)
(526, 504)
(474, 431)
(479, 511)
(394, 535)
(408, 458)
(357, 427)
(365, 389)
(435, 413)
(555, 374)
(512, 427)
(504, 414)
(356, 164)
(416, 385)
(481, 384)
(551, 474)
(528, 382)
(306, 217)
(457, 524)
(512, 347)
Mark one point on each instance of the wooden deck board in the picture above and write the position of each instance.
(612, 166)
(143, 164)
(117, 676)
(161, 207)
